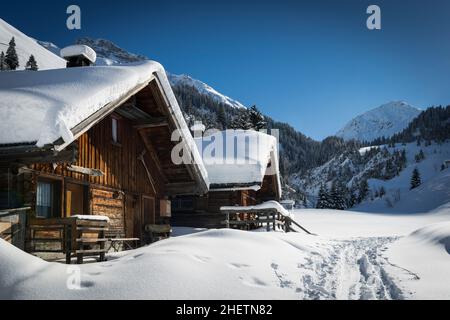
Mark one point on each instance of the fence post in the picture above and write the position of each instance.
(68, 242)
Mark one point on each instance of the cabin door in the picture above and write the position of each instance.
(76, 200)
(148, 210)
(132, 216)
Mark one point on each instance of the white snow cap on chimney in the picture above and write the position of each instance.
(79, 50)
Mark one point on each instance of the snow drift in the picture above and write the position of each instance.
(356, 256)
(425, 256)
(205, 265)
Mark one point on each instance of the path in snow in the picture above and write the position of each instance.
(351, 269)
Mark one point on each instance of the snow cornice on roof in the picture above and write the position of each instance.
(239, 159)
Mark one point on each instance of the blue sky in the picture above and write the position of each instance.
(313, 64)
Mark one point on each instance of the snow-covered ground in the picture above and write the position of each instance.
(355, 256)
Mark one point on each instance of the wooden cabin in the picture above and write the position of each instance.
(244, 173)
(112, 158)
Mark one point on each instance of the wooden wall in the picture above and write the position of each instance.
(124, 174)
(206, 212)
(119, 162)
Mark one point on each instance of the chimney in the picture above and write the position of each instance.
(79, 56)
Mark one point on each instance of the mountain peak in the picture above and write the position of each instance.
(383, 121)
(109, 53)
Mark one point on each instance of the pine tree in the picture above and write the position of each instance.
(352, 199)
(337, 196)
(323, 201)
(420, 156)
(363, 190)
(403, 159)
(415, 179)
(3, 65)
(390, 169)
(32, 64)
(256, 118)
(12, 60)
(222, 117)
(382, 192)
(242, 121)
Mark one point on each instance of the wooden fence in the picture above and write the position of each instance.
(269, 218)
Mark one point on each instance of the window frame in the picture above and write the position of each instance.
(56, 200)
(115, 130)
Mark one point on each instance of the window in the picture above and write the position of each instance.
(48, 196)
(115, 130)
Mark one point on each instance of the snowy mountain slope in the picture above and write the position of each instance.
(109, 53)
(434, 191)
(380, 167)
(385, 120)
(203, 88)
(25, 46)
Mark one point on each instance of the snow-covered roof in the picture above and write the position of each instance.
(40, 108)
(239, 159)
(263, 206)
(91, 218)
(79, 50)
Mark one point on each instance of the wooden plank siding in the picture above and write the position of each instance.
(124, 174)
(206, 210)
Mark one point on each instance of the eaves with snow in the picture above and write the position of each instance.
(52, 108)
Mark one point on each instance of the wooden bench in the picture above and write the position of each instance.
(74, 237)
(119, 242)
(156, 232)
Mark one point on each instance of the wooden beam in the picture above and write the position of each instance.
(153, 155)
(149, 176)
(86, 171)
(161, 122)
(36, 155)
(131, 111)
